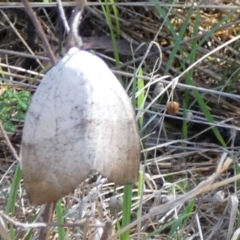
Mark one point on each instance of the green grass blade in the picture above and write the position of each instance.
(127, 202)
(13, 196)
(177, 36)
(140, 186)
(184, 217)
(13, 192)
(107, 14)
(115, 12)
(141, 96)
(60, 219)
(189, 75)
(162, 228)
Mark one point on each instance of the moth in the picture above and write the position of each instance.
(80, 119)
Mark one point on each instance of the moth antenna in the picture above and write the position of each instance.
(74, 40)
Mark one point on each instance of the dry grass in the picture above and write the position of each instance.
(178, 153)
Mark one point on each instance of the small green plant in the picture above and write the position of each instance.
(13, 106)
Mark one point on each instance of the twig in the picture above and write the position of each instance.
(8, 142)
(179, 85)
(8, 5)
(63, 16)
(44, 225)
(3, 231)
(47, 217)
(107, 231)
(21, 54)
(39, 30)
(20, 37)
(203, 187)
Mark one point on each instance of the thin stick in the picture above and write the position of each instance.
(48, 214)
(63, 16)
(107, 231)
(47, 218)
(203, 187)
(39, 30)
(80, 223)
(20, 37)
(8, 142)
(21, 54)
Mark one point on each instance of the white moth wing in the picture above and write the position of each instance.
(112, 135)
(53, 137)
(80, 119)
